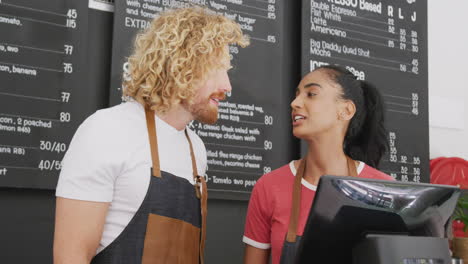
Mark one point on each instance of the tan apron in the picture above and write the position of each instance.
(170, 225)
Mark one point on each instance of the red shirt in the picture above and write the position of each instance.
(270, 206)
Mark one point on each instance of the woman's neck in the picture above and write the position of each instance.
(325, 156)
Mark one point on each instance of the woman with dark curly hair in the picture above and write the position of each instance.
(342, 121)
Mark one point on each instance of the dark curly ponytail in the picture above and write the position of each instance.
(366, 137)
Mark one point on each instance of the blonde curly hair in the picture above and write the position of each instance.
(175, 54)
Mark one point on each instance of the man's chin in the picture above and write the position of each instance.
(208, 117)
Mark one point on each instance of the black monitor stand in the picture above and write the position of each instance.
(392, 249)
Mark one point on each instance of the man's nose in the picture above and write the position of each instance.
(226, 85)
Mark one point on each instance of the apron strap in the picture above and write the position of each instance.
(204, 201)
(192, 155)
(150, 123)
(196, 178)
(296, 201)
(202, 194)
(352, 170)
(296, 196)
(200, 182)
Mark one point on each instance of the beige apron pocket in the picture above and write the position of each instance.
(169, 240)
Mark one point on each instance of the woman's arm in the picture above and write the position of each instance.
(253, 255)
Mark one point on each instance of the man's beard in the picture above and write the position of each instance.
(204, 111)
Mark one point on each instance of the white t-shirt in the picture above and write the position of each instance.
(109, 160)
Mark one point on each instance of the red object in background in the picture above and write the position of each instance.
(450, 171)
(457, 227)
(433, 162)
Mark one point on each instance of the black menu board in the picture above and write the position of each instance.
(384, 42)
(253, 134)
(41, 61)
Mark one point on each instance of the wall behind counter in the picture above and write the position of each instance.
(448, 84)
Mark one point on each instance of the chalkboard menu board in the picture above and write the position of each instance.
(253, 134)
(53, 72)
(384, 42)
(41, 69)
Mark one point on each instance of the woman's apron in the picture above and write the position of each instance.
(292, 240)
(169, 226)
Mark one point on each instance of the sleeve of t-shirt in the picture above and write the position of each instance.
(91, 164)
(258, 221)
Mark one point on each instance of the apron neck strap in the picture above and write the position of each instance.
(153, 139)
(151, 125)
(192, 156)
(352, 170)
(296, 196)
(296, 201)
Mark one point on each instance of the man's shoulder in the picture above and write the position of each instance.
(122, 117)
(111, 128)
(127, 111)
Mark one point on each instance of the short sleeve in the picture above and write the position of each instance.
(91, 163)
(258, 221)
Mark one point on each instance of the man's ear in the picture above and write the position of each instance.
(347, 111)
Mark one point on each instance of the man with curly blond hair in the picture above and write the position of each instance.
(130, 191)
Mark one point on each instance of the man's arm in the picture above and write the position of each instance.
(253, 255)
(78, 230)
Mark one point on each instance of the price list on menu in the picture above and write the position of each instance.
(41, 55)
(252, 135)
(384, 42)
